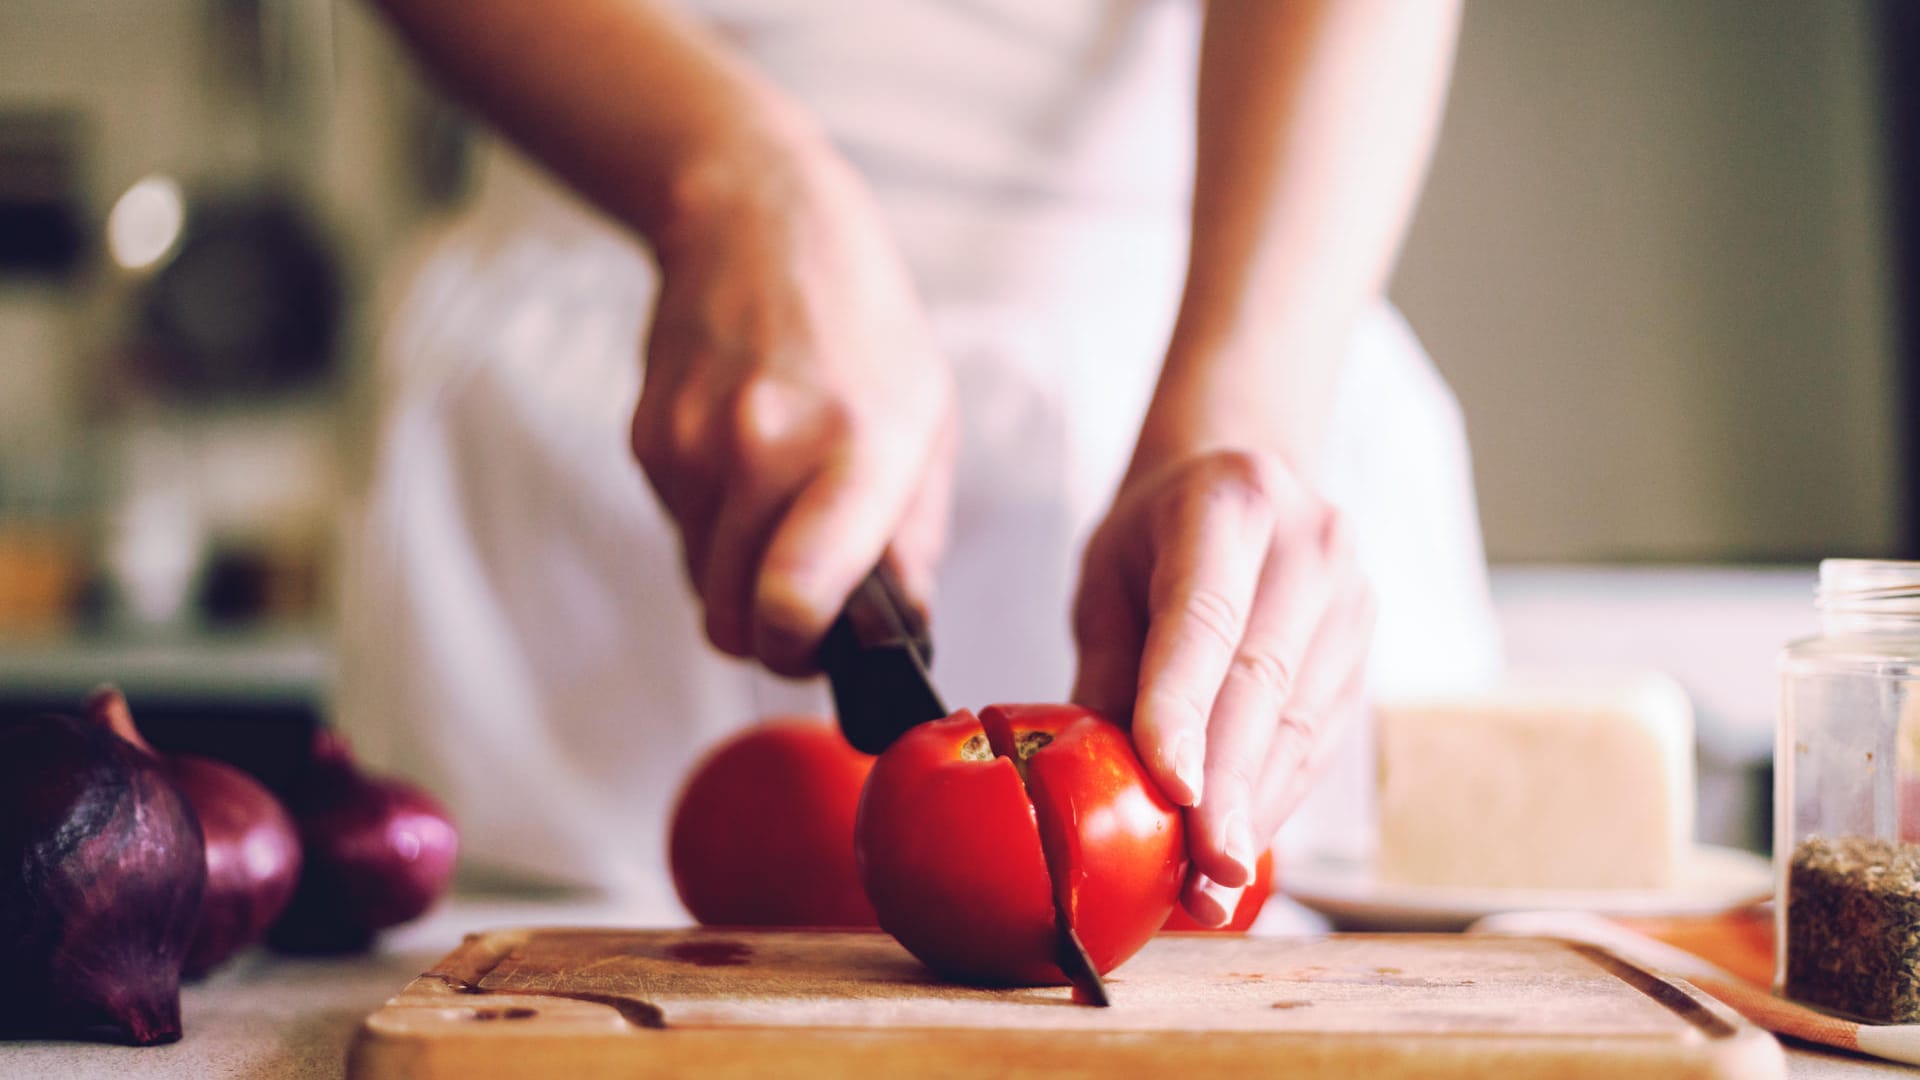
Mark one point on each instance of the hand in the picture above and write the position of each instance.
(1221, 608)
(795, 418)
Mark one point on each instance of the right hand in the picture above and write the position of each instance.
(795, 418)
(1221, 607)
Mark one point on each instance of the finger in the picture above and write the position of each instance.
(669, 355)
(652, 447)
(1108, 631)
(1209, 902)
(1206, 566)
(778, 441)
(1303, 747)
(830, 538)
(1312, 731)
(1296, 587)
(677, 446)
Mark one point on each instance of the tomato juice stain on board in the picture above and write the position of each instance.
(710, 953)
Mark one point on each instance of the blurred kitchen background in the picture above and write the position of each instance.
(1664, 259)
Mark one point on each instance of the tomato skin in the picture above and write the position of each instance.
(1247, 910)
(762, 831)
(956, 852)
(949, 849)
(1117, 847)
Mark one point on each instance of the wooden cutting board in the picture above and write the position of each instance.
(591, 1003)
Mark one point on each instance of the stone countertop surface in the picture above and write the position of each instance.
(287, 1018)
(291, 1018)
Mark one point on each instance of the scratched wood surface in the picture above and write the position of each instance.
(586, 1003)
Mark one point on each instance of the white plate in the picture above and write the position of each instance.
(1713, 879)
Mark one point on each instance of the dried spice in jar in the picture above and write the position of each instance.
(1847, 798)
(1853, 927)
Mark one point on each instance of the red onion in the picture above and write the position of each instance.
(101, 872)
(379, 852)
(253, 859)
(253, 851)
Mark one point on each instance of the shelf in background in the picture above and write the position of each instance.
(251, 697)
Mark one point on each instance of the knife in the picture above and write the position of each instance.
(877, 655)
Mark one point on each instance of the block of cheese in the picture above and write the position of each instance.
(1544, 781)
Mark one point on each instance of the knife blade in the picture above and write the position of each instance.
(1070, 954)
(877, 656)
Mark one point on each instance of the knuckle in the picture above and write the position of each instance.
(1237, 775)
(770, 417)
(1310, 528)
(1258, 479)
(1256, 484)
(839, 424)
(1336, 532)
(648, 448)
(757, 417)
(1301, 721)
(1265, 667)
(1246, 471)
(686, 427)
(1166, 708)
(1213, 618)
(1302, 726)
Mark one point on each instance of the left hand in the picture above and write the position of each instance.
(1221, 608)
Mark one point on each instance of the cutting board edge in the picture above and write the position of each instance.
(748, 1052)
(605, 1041)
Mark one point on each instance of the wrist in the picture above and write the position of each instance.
(757, 165)
(1262, 393)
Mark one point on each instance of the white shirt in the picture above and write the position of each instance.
(519, 636)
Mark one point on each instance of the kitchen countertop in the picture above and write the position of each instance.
(285, 1018)
(290, 1018)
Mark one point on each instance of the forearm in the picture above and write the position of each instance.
(1316, 121)
(630, 101)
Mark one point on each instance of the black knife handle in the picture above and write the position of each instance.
(876, 655)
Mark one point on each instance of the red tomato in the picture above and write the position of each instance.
(1247, 910)
(969, 825)
(763, 830)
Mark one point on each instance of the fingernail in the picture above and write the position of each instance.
(1237, 839)
(1189, 764)
(1224, 899)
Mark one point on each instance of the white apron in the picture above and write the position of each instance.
(517, 632)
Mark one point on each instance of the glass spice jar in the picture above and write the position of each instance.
(1847, 798)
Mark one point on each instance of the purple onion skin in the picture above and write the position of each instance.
(379, 852)
(102, 867)
(253, 859)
